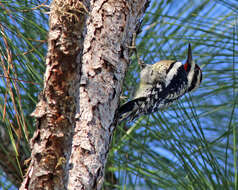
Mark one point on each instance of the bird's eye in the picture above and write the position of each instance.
(197, 67)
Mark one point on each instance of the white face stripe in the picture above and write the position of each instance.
(172, 73)
(198, 81)
(191, 73)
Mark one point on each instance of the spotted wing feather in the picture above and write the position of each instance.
(159, 97)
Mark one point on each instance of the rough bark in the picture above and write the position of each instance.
(105, 59)
(87, 59)
(55, 112)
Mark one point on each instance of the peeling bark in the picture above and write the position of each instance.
(51, 143)
(105, 59)
(87, 59)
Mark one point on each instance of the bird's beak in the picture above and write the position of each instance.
(190, 58)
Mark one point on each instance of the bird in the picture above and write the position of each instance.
(160, 85)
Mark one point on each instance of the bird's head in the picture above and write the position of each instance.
(194, 73)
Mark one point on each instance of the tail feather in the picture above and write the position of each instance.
(131, 109)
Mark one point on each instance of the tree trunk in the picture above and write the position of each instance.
(87, 58)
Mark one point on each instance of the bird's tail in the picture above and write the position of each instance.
(131, 109)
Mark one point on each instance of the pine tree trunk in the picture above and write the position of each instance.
(87, 59)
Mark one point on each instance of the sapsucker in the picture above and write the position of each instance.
(160, 85)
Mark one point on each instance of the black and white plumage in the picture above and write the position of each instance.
(161, 84)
